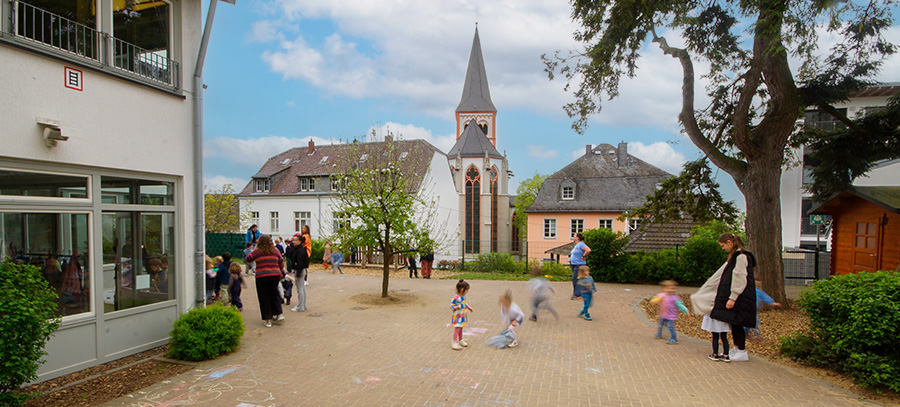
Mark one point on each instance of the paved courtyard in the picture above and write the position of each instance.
(343, 353)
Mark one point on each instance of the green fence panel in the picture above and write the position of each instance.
(218, 243)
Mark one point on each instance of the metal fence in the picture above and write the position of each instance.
(801, 268)
(218, 243)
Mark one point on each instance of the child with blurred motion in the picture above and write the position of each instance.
(234, 287)
(210, 279)
(541, 292)
(511, 316)
(761, 298)
(251, 266)
(460, 312)
(586, 289)
(223, 278)
(287, 282)
(669, 306)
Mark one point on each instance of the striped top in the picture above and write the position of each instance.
(267, 265)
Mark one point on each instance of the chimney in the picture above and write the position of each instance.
(622, 154)
(587, 150)
(312, 148)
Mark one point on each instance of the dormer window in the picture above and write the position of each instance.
(262, 185)
(403, 155)
(363, 158)
(324, 160)
(567, 190)
(307, 184)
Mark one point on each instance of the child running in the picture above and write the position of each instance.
(586, 288)
(669, 305)
(287, 282)
(210, 279)
(761, 298)
(541, 292)
(235, 285)
(460, 311)
(511, 316)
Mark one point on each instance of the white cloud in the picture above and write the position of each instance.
(659, 154)
(253, 152)
(217, 182)
(265, 31)
(541, 153)
(577, 153)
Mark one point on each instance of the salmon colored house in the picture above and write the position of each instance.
(591, 192)
(865, 229)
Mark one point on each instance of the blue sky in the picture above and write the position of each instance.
(282, 72)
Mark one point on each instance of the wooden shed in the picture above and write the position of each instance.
(865, 230)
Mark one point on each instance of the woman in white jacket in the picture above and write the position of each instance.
(729, 296)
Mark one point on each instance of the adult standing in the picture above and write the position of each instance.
(427, 264)
(576, 260)
(269, 264)
(299, 260)
(307, 242)
(730, 295)
(252, 236)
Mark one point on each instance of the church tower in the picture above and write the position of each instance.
(480, 171)
(475, 103)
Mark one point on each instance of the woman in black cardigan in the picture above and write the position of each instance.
(299, 260)
(736, 293)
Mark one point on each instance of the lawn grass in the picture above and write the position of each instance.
(470, 275)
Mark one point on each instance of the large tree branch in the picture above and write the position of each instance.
(734, 167)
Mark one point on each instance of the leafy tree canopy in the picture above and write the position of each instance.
(525, 194)
(222, 213)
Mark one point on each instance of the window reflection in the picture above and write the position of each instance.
(24, 183)
(57, 243)
(136, 191)
(138, 255)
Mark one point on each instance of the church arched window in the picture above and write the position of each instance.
(473, 209)
(484, 128)
(495, 220)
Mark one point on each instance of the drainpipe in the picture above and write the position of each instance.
(199, 229)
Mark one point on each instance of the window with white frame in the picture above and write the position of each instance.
(300, 219)
(335, 184)
(273, 222)
(576, 226)
(340, 220)
(262, 185)
(254, 218)
(568, 193)
(549, 228)
(307, 184)
(605, 224)
(633, 225)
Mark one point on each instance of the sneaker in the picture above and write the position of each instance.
(657, 336)
(672, 342)
(279, 318)
(513, 344)
(306, 283)
(588, 317)
(715, 358)
(725, 358)
(463, 343)
(455, 346)
(533, 318)
(297, 309)
(580, 313)
(267, 324)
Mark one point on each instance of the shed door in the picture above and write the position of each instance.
(865, 247)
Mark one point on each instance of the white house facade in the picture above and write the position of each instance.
(796, 201)
(295, 188)
(96, 167)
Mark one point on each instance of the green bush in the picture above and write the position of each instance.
(856, 317)
(607, 260)
(29, 316)
(495, 263)
(205, 333)
(700, 257)
(656, 267)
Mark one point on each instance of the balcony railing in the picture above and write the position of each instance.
(71, 38)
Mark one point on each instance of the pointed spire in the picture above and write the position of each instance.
(476, 96)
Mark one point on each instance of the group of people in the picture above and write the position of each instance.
(728, 302)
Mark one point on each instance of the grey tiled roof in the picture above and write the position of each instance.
(476, 96)
(473, 143)
(284, 169)
(658, 236)
(603, 183)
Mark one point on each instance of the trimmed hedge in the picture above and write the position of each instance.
(495, 263)
(205, 333)
(854, 323)
(28, 316)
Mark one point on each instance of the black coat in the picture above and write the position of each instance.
(299, 257)
(744, 311)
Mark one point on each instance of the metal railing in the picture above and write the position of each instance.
(72, 38)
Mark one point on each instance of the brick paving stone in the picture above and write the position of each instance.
(342, 353)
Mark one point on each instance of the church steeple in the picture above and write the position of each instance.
(476, 103)
(476, 96)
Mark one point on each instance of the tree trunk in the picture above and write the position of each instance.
(386, 269)
(762, 194)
